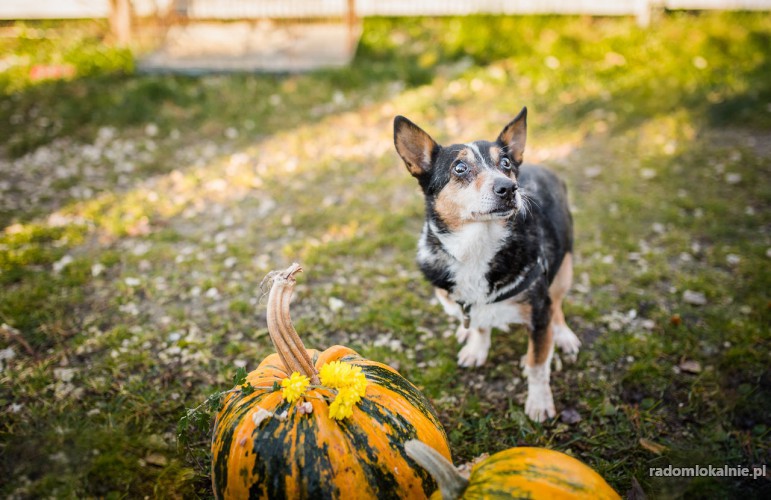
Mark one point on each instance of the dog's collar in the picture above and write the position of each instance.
(519, 285)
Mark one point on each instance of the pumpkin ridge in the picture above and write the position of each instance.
(394, 382)
(269, 460)
(491, 493)
(408, 431)
(380, 478)
(312, 459)
(346, 461)
(234, 410)
(534, 473)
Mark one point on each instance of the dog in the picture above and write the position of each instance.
(497, 245)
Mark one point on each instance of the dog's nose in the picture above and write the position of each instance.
(504, 188)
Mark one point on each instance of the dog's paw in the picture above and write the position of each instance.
(474, 353)
(567, 341)
(540, 404)
(462, 334)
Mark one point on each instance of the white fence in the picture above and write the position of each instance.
(241, 9)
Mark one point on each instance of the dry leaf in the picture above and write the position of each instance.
(656, 448)
(157, 459)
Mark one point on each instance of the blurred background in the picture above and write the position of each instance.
(157, 159)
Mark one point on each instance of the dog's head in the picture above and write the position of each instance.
(464, 183)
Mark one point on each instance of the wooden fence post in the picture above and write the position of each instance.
(350, 17)
(120, 21)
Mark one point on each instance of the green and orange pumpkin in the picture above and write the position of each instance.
(301, 450)
(522, 472)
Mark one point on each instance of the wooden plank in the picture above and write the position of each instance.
(42, 9)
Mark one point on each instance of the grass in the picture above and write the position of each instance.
(140, 214)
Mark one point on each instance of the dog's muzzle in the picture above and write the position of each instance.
(505, 190)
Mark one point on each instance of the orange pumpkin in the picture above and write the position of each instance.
(264, 446)
(514, 473)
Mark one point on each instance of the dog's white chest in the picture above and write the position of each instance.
(473, 249)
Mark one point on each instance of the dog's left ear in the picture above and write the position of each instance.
(514, 135)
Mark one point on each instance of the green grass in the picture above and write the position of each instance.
(140, 214)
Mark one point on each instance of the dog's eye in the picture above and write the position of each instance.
(505, 163)
(460, 168)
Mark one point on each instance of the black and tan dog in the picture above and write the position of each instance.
(497, 245)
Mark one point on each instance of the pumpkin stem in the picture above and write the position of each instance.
(285, 338)
(451, 483)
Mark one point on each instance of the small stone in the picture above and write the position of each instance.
(132, 282)
(732, 259)
(694, 298)
(336, 304)
(62, 263)
(151, 129)
(570, 416)
(733, 178)
(689, 366)
(97, 269)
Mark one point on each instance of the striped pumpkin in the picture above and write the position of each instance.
(311, 455)
(514, 473)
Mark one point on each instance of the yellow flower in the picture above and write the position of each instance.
(358, 382)
(294, 387)
(342, 406)
(334, 374)
(351, 385)
(338, 375)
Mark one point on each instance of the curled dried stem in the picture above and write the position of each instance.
(285, 339)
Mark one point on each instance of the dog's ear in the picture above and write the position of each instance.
(416, 147)
(514, 135)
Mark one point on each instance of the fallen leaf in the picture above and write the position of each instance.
(656, 448)
(157, 459)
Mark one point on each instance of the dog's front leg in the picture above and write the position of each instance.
(540, 348)
(474, 353)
